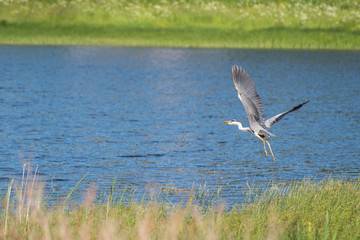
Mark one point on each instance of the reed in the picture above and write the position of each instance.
(7, 203)
(307, 209)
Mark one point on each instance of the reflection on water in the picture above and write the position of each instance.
(151, 117)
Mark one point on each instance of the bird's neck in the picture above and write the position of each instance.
(244, 129)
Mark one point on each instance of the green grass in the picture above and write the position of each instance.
(303, 24)
(325, 209)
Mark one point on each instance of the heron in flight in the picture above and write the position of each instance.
(253, 107)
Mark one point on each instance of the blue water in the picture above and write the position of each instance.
(152, 117)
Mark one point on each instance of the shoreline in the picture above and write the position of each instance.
(200, 24)
(152, 39)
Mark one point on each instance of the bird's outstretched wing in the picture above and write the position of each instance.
(248, 96)
(278, 117)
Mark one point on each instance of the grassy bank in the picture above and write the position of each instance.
(304, 24)
(327, 209)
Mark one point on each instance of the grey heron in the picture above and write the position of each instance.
(251, 101)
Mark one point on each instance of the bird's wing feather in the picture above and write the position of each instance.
(278, 117)
(248, 96)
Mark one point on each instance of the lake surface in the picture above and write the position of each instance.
(152, 117)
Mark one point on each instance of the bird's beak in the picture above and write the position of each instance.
(227, 122)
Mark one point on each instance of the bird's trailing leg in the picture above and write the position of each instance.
(263, 140)
(270, 149)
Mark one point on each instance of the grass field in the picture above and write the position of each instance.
(326, 209)
(303, 24)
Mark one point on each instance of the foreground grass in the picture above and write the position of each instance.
(327, 209)
(300, 24)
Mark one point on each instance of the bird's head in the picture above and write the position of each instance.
(233, 122)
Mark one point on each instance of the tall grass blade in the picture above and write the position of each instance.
(47, 198)
(21, 194)
(112, 191)
(30, 193)
(7, 207)
(110, 198)
(326, 226)
(73, 190)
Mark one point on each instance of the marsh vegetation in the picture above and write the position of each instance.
(307, 209)
(248, 24)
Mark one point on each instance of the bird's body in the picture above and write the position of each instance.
(251, 101)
